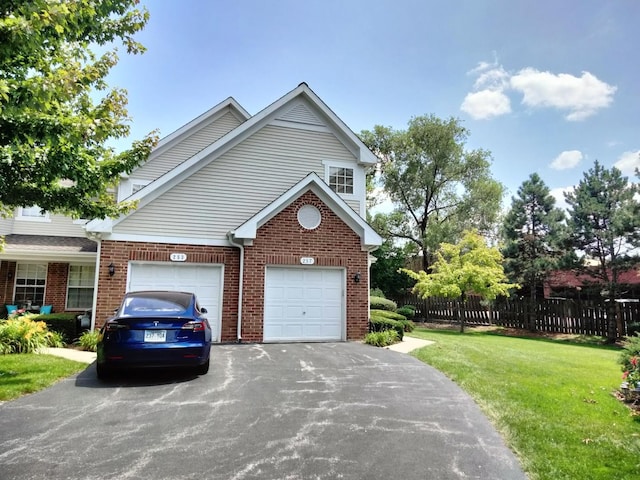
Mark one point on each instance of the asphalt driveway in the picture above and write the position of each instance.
(279, 411)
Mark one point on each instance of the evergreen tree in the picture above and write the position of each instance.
(604, 223)
(533, 234)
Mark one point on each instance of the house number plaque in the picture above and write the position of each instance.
(178, 257)
(307, 260)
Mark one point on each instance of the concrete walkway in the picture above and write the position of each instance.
(71, 354)
(408, 344)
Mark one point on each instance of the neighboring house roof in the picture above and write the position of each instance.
(19, 247)
(270, 114)
(312, 182)
(570, 279)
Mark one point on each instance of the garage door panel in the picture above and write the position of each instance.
(303, 304)
(203, 280)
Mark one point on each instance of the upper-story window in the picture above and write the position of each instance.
(33, 214)
(130, 186)
(341, 180)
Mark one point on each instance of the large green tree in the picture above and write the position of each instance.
(57, 113)
(467, 267)
(390, 258)
(534, 236)
(604, 224)
(438, 188)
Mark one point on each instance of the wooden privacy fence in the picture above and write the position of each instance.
(546, 315)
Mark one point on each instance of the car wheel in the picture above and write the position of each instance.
(203, 369)
(102, 371)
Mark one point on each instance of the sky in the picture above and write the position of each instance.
(546, 86)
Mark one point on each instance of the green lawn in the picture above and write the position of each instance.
(552, 401)
(27, 373)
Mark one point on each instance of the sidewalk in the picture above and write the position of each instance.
(409, 344)
(70, 354)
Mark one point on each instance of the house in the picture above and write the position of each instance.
(261, 216)
(570, 284)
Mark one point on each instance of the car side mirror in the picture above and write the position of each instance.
(203, 310)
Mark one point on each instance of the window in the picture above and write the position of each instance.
(341, 179)
(80, 286)
(32, 213)
(31, 279)
(130, 186)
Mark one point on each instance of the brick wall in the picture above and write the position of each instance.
(112, 288)
(56, 289)
(7, 279)
(282, 241)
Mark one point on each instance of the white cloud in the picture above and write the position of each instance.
(581, 96)
(558, 194)
(493, 78)
(628, 162)
(567, 159)
(486, 104)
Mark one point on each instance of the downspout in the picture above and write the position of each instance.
(233, 241)
(94, 305)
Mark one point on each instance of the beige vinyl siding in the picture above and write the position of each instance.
(235, 186)
(184, 150)
(6, 226)
(58, 226)
(302, 114)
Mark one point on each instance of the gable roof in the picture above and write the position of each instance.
(228, 105)
(243, 131)
(312, 182)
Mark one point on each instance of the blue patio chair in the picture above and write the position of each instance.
(11, 309)
(45, 309)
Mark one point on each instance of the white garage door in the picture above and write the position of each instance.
(303, 304)
(203, 280)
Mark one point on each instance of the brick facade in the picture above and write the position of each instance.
(112, 288)
(56, 290)
(282, 241)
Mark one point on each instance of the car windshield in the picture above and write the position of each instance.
(150, 306)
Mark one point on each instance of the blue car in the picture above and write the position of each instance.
(155, 329)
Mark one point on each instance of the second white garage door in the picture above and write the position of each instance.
(203, 280)
(304, 304)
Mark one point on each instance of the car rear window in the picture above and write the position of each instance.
(152, 306)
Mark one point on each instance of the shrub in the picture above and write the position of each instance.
(408, 311)
(380, 303)
(407, 325)
(381, 324)
(89, 340)
(381, 339)
(630, 360)
(386, 314)
(24, 335)
(633, 329)
(376, 292)
(63, 323)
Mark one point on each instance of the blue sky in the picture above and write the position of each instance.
(547, 86)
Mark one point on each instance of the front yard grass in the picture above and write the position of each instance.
(552, 401)
(29, 372)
